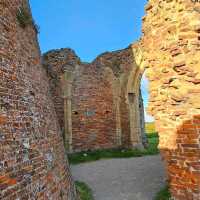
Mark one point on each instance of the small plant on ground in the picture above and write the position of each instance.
(82, 157)
(164, 194)
(84, 191)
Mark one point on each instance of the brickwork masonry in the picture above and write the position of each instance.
(32, 155)
(91, 99)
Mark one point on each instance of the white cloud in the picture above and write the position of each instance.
(148, 118)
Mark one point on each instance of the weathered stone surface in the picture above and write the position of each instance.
(171, 38)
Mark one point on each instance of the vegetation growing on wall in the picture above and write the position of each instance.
(25, 19)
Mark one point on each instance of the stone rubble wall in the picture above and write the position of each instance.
(169, 51)
(32, 155)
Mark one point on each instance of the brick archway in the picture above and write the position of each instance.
(169, 51)
(134, 98)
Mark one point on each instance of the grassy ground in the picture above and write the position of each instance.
(164, 194)
(82, 157)
(84, 191)
(76, 158)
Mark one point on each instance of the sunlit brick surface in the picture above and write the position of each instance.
(169, 50)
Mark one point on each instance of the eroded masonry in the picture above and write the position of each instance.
(37, 101)
(169, 51)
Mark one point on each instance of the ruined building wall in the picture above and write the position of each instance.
(32, 160)
(94, 125)
(123, 67)
(169, 50)
(92, 120)
(96, 109)
(116, 67)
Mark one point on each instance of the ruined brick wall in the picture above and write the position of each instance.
(116, 67)
(56, 62)
(169, 50)
(123, 66)
(96, 96)
(94, 125)
(92, 114)
(32, 160)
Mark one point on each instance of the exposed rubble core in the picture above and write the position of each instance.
(169, 50)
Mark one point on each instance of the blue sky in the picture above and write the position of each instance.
(90, 27)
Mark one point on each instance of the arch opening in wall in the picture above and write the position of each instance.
(138, 96)
(148, 119)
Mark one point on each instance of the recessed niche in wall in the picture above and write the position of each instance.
(32, 93)
(131, 97)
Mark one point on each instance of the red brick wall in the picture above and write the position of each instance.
(56, 62)
(32, 161)
(94, 123)
(183, 164)
(93, 119)
(121, 63)
(94, 126)
(125, 122)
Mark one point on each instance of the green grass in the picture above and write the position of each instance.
(152, 135)
(84, 191)
(82, 157)
(164, 194)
